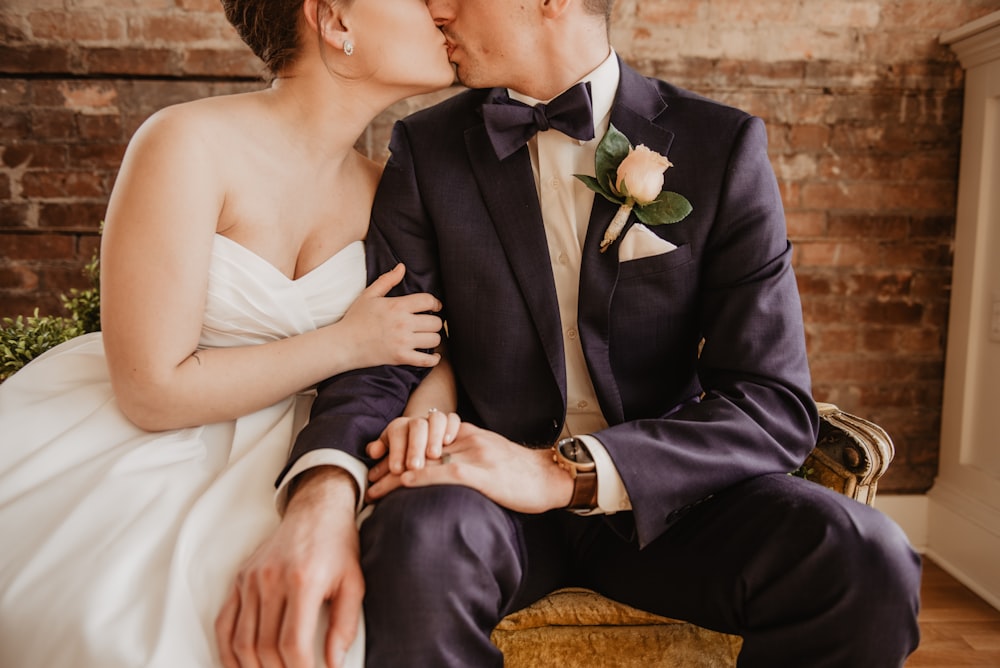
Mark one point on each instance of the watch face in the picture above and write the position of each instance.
(573, 450)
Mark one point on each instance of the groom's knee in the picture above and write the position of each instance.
(440, 532)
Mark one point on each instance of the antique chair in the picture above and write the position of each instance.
(577, 628)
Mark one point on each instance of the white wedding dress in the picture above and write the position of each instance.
(118, 546)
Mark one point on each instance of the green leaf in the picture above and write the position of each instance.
(611, 151)
(596, 186)
(668, 207)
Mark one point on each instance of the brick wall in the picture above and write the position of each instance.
(862, 104)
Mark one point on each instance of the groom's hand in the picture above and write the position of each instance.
(272, 614)
(522, 479)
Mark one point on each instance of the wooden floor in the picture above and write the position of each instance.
(957, 627)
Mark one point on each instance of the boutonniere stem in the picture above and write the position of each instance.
(632, 177)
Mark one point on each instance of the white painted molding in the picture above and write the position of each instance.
(951, 529)
(909, 511)
(964, 541)
(976, 42)
(962, 521)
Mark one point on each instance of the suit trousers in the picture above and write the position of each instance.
(806, 576)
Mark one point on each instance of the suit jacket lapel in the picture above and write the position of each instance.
(636, 105)
(508, 188)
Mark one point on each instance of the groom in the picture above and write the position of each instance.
(669, 372)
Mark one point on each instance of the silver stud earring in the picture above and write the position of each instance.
(348, 48)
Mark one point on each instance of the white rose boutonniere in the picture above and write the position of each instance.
(632, 177)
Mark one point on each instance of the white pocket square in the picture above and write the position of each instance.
(640, 242)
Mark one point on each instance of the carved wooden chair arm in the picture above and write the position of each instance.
(851, 454)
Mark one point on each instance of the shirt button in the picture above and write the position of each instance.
(555, 183)
(581, 404)
(563, 258)
(571, 333)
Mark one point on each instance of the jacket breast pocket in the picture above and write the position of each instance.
(647, 266)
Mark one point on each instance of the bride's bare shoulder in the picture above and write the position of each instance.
(206, 121)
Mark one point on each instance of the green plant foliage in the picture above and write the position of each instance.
(23, 339)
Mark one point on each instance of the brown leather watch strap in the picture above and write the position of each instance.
(584, 491)
(579, 464)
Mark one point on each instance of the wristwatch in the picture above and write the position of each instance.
(570, 454)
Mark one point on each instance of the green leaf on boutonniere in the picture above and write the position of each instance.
(611, 150)
(669, 207)
(596, 186)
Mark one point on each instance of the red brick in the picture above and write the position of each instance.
(919, 254)
(880, 339)
(805, 223)
(101, 127)
(14, 126)
(64, 278)
(930, 284)
(933, 227)
(17, 277)
(34, 155)
(72, 216)
(199, 5)
(53, 124)
(13, 93)
(37, 246)
(75, 26)
(891, 313)
(922, 340)
(130, 61)
(833, 340)
(30, 59)
(174, 27)
(868, 227)
(105, 157)
(49, 184)
(222, 62)
(806, 137)
(14, 215)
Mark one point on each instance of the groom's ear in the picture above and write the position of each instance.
(555, 8)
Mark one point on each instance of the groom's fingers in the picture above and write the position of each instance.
(225, 624)
(270, 608)
(245, 633)
(345, 610)
(298, 629)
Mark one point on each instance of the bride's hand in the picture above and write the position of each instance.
(392, 330)
(408, 442)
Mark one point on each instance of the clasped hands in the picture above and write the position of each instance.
(440, 449)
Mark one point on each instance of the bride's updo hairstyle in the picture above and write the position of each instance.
(271, 27)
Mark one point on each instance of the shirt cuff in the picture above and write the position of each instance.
(325, 457)
(612, 497)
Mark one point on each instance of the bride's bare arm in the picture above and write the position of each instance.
(157, 242)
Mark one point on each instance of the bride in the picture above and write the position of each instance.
(137, 465)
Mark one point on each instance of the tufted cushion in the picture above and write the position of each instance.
(571, 627)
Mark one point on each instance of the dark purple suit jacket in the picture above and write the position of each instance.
(468, 228)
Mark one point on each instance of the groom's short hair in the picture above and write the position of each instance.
(599, 7)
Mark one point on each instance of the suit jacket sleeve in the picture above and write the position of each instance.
(351, 409)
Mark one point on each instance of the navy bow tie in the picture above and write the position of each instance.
(510, 124)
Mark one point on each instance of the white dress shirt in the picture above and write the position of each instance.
(565, 203)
